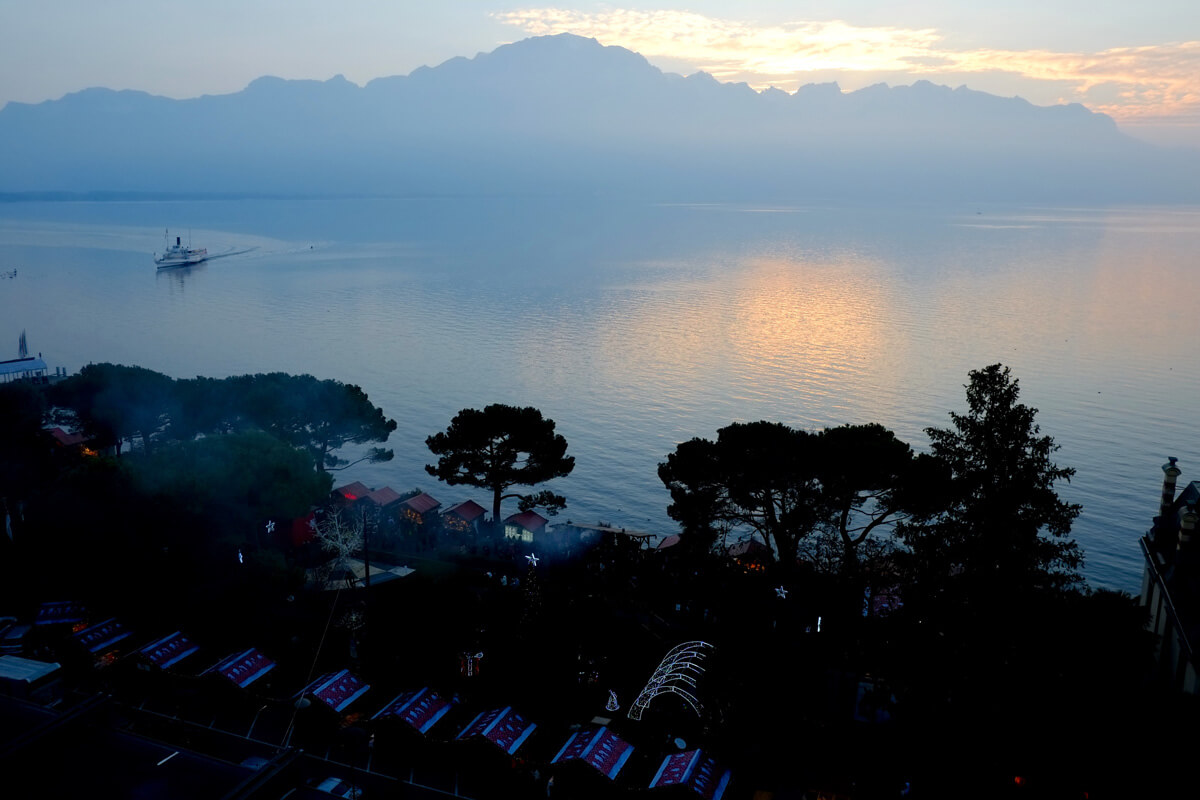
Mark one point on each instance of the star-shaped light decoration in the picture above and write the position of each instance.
(781, 592)
(532, 559)
(271, 526)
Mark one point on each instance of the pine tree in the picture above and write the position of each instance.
(1001, 528)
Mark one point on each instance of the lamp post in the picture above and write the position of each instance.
(250, 733)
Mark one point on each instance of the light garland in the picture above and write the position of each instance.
(678, 674)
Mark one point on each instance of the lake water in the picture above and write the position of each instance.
(638, 326)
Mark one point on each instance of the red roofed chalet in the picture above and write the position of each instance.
(352, 492)
(67, 439)
(417, 506)
(464, 516)
(384, 498)
(525, 526)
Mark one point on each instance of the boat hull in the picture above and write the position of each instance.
(167, 262)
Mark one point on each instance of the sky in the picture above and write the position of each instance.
(1139, 62)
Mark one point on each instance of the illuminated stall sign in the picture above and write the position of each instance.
(244, 668)
(336, 689)
(64, 612)
(102, 636)
(502, 727)
(169, 650)
(599, 748)
(694, 770)
(421, 709)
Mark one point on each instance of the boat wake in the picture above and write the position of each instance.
(214, 256)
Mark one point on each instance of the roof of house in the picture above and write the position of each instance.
(336, 689)
(243, 668)
(101, 635)
(692, 769)
(62, 611)
(357, 568)
(15, 668)
(599, 748)
(748, 548)
(20, 365)
(169, 650)
(503, 727)
(420, 709)
(67, 439)
(384, 497)
(467, 510)
(604, 527)
(353, 491)
(422, 502)
(529, 520)
(668, 541)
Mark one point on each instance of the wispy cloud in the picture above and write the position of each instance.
(1157, 82)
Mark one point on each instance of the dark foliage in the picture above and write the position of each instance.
(1001, 527)
(319, 416)
(784, 485)
(501, 447)
(113, 403)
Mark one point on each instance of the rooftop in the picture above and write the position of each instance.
(467, 510)
(384, 497)
(529, 520)
(353, 491)
(422, 502)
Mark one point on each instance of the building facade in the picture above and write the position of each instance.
(1171, 581)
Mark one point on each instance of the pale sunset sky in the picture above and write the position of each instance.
(1136, 61)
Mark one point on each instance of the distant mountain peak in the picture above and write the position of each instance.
(567, 113)
(568, 48)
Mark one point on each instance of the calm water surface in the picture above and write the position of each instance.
(636, 327)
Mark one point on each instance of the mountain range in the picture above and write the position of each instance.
(564, 114)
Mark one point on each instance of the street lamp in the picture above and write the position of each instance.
(250, 733)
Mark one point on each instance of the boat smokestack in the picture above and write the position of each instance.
(177, 241)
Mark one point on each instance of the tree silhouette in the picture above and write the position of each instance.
(998, 499)
(870, 481)
(318, 416)
(501, 447)
(760, 476)
(112, 402)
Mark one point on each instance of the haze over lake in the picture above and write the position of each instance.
(636, 326)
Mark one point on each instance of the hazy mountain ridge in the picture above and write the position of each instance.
(563, 113)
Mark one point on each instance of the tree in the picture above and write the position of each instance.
(318, 416)
(870, 481)
(846, 483)
(25, 449)
(501, 447)
(1002, 527)
(208, 406)
(756, 475)
(113, 402)
(341, 534)
(234, 482)
(699, 500)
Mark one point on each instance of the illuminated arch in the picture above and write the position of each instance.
(677, 673)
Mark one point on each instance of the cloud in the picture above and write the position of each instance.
(1129, 83)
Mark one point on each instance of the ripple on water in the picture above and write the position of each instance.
(669, 323)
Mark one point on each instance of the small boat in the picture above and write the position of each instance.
(177, 255)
